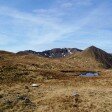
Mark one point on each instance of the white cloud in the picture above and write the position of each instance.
(72, 3)
(44, 26)
(4, 40)
(29, 24)
(67, 5)
(83, 2)
(52, 27)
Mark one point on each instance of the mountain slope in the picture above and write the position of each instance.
(90, 58)
(99, 55)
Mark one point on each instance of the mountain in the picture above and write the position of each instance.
(5, 52)
(26, 52)
(53, 53)
(90, 58)
(99, 55)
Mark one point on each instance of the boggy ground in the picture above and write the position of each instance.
(58, 94)
(60, 88)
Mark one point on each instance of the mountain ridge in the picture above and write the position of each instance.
(53, 53)
(93, 53)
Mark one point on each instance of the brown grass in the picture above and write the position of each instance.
(58, 91)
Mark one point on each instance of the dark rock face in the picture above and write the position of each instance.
(58, 53)
(53, 53)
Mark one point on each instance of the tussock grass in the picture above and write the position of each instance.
(61, 89)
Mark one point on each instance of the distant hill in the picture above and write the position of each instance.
(53, 53)
(99, 55)
(90, 58)
(6, 52)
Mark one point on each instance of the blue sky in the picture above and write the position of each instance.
(46, 24)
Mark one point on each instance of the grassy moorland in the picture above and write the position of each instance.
(60, 88)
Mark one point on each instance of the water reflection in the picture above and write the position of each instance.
(89, 74)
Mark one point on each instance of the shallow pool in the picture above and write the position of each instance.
(89, 74)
